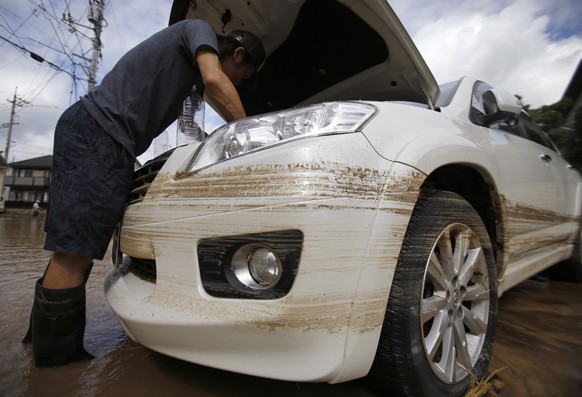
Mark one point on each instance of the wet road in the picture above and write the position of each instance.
(538, 346)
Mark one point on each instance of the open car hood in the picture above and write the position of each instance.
(321, 50)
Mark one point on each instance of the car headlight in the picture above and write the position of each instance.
(254, 133)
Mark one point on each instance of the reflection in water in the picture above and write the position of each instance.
(538, 341)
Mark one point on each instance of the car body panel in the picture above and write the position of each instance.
(332, 196)
(540, 217)
(340, 298)
(535, 208)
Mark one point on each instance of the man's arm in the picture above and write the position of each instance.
(220, 91)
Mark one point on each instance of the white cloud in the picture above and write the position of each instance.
(508, 45)
(50, 92)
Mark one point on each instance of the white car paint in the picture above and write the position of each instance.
(336, 306)
(351, 195)
(353, 207)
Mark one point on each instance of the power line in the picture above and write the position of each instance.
(35, 56)
(60, 40)
(63, 49)
(34, 40)
(59, 21)
(12, 31)
(54, 50)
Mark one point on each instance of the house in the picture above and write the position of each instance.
(27, 181)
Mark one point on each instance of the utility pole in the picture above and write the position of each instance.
(95, 16)
(15, 102)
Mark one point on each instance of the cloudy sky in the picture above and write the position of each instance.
(528, 47)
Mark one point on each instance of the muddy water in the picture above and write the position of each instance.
(538, 345)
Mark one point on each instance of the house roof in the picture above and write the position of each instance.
(3, 163)
(44, 162)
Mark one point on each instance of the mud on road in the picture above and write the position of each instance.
(538, 348)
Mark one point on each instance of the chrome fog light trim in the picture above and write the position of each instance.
(250, 266)
(256, 266)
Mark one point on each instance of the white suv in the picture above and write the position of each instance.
(362, 222)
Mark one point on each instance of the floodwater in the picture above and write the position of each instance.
(538, 348)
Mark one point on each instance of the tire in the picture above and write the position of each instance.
(570, 270)
(441, 352)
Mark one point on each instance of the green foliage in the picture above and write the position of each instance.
(551, 118)
(574, 142)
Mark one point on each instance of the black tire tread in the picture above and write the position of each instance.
(392, 373)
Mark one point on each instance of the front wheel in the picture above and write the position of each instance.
(440, 321)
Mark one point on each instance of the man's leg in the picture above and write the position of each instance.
(89, 183)
(58, 312)
(66, 271)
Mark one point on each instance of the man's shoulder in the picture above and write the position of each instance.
(197, 32)
(195, 24)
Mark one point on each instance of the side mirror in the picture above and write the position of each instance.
(500, 106)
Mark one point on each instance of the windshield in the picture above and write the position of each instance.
(447, 92)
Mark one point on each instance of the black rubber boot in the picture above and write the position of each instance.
(58, 326)
(28, 337)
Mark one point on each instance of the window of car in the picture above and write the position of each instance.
(527, 129)
(477, 105)
(534, 133)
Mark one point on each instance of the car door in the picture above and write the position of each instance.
(531, 194)
(534, 191)
(565, 176)
(535, 205)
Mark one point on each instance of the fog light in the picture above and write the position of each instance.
(256, 266)
(265, 266)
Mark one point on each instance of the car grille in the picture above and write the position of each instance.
(142, 179)
(144, 176)
(144, 269)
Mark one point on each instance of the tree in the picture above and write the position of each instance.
(572, 150)
(551, 118)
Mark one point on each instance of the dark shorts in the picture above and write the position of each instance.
(90, 179)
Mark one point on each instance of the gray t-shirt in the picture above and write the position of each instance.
(143, 93)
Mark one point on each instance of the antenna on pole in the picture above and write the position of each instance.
(95, 17)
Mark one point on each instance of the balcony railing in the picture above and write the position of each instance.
(20, 181)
